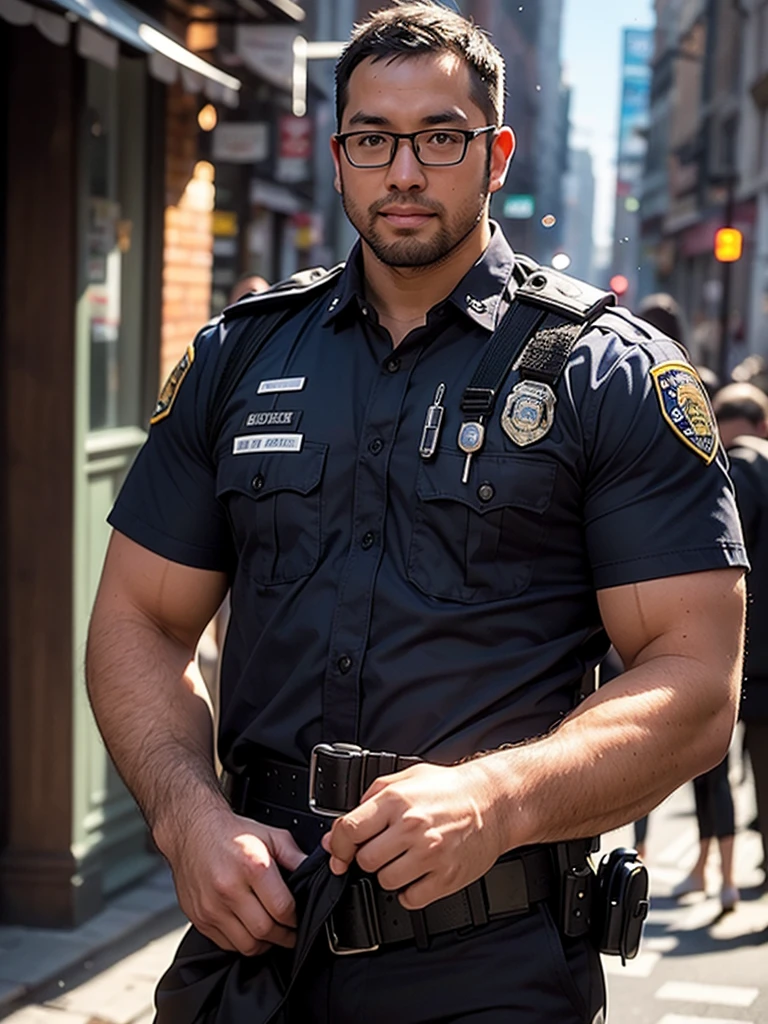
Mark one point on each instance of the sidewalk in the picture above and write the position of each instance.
(111, 963)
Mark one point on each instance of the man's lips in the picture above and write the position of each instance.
(406, 218)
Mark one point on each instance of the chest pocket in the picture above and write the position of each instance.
(274, 506)
(477, 542)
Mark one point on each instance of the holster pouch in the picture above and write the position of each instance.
(620, 904)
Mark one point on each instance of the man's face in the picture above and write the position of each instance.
(408, 214)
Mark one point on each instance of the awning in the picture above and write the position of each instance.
(102, 23)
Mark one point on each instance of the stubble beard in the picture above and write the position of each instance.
(410, 251)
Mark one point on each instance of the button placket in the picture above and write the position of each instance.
(351, 623)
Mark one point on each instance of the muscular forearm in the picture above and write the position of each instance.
(624, 750)
(154, 713)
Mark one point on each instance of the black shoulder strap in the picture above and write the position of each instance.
(541, 326)
(247, 335)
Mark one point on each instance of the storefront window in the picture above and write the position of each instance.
(114, 236)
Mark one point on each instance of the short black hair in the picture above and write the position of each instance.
(412, 28)
(741, 401)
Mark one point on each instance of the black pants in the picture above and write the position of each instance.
(714, 803)
(756, 736)
(516, 971)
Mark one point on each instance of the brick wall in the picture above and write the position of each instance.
(188, 245)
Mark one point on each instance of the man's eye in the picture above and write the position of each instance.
(444, 139)
(371, 141)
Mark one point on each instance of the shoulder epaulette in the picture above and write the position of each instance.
(559, 293)
(303, 284)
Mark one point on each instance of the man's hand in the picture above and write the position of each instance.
(426, 832)
(226, 870)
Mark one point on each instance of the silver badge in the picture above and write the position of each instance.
(529, 412)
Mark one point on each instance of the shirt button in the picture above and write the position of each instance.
(376, 446)
(485, 491)
(368, 540)
(393, 364)
(344, 663)
(258, 482)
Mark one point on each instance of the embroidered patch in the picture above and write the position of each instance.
(273, 418)
(171, 387)
(685, 406)
(267, 443)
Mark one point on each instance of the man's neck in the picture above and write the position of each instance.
(402, 296)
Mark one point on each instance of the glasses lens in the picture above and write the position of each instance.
(370, 149)
(436, 147)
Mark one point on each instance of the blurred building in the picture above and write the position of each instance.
(107, 236)
(577, 241)
(531, 205)
(654, 193)
(704, 168)
(637, 50)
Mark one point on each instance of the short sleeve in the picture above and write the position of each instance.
(658, 498)
(168, 501)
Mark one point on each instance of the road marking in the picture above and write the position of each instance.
(660, 943)
(720, 995)
(694, 916)
(640, 967)
(676, 1018)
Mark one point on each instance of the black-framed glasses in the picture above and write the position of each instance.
(432, 147)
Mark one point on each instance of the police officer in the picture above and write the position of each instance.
(421, 570)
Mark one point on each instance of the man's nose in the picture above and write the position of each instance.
(405, 173)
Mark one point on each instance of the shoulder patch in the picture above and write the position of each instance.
(685, 406)
(170, 389)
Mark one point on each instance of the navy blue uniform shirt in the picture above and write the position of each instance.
(375, 597)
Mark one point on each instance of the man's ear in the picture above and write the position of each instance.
(502, 150)
(336, 155)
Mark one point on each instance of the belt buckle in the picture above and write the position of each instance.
(368, 905)
(342, 751)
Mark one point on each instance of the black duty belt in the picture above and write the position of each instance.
(334, 783)
(368, 916)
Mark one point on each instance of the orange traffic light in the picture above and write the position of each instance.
(729, 244)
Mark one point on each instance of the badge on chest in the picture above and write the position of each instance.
(529, 412)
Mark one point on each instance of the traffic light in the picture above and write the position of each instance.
(729, 243)
(618, 284)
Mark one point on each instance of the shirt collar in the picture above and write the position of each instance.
(478, 295)
(481, 291)
(349, 288)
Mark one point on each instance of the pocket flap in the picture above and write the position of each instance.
(497, 481)
(261, 474)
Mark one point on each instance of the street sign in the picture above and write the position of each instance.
(521, 207)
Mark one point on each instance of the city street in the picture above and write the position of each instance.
(696, 966)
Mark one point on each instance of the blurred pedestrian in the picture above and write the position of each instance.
(248, 284)
(664, 312)
(742, 414)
